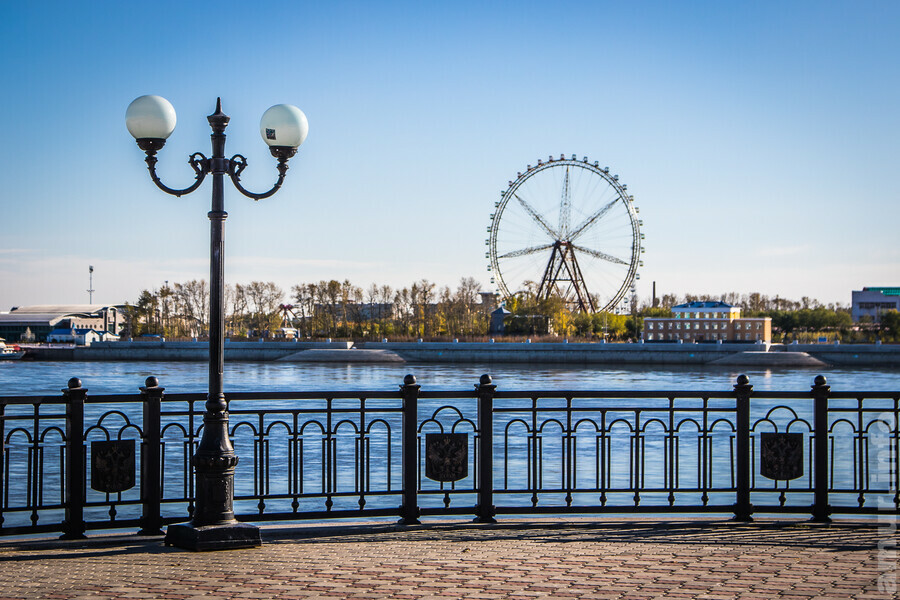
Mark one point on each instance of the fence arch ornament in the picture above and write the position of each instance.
(558, 451)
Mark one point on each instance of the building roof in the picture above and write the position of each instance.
(41, 319)
(887, 291)
(50, 314)
(704, 305)
(66, 331)
(60, 309)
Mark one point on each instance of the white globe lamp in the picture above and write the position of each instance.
(150, 117)
(283, 125)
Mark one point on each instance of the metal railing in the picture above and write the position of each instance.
(74, 462)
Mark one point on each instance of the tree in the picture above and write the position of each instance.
(237, 295)
(144, 306)
(264, 298)
(890, 325)
(193, 300)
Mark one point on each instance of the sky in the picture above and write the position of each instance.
(759, 139)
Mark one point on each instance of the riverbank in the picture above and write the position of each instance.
(751, 354)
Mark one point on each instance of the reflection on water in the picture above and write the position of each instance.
(40, 378)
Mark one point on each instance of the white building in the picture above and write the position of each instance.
(707, 322)
(79, 337)
(36, 322)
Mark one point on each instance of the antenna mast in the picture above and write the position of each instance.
(90, 290)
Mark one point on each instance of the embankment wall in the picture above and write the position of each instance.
(855, 355)
(181, 351)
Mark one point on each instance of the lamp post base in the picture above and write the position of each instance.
(228, 536)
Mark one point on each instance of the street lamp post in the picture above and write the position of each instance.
(151, 119)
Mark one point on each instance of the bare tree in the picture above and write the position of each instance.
(264, 299)
(194, 301)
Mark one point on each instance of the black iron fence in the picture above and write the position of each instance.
(76, 462)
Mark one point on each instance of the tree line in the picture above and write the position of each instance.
(326, 309)
(340, 309)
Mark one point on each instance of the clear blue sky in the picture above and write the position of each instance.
(759, 139)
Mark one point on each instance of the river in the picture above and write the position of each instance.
(48, 378)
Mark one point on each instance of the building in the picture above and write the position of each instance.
(498, 320)
(35, 323)
(80, 337)
(707, 322)
(873, 302)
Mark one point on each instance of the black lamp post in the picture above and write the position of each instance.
(151, 119)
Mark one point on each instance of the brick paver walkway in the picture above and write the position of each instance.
(514, 559)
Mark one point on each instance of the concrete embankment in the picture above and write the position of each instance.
(770, 359)
(751, 354)
(562, 353)
(758, 355)
(851, 355)
(353, 355)
(181, 351)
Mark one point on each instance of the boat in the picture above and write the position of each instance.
(10, 352)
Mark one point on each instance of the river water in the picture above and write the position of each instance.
(46, 378)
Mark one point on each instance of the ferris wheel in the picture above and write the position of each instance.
(566, 228)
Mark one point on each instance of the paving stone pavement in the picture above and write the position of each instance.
(517, 560)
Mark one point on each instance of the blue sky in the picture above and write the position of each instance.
(756, 137)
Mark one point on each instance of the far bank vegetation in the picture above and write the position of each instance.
(424, 310)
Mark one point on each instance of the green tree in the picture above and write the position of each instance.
(890, 325)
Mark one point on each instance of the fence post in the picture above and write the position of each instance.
(409, 510)
(151, 469)
(820, 508)
(742, 390)
(485, 509)
(73, 526)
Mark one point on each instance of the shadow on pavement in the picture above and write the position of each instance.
(834, 537)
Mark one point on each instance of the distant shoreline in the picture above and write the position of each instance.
(750, 354)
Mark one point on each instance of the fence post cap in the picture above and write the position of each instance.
(820, 380)
(410, 379)
(151, 382)
(743, 380)
(485, 379)
(74, 383)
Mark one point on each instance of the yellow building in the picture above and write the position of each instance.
(707, 322)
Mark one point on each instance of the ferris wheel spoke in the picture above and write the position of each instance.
(600, 255)
(526, 251)
(592, 219)
(565, 207)
(534, 215)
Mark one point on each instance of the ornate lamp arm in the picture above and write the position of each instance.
(198, 162)
(238, 163)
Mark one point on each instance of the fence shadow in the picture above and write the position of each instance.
(834, 537)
